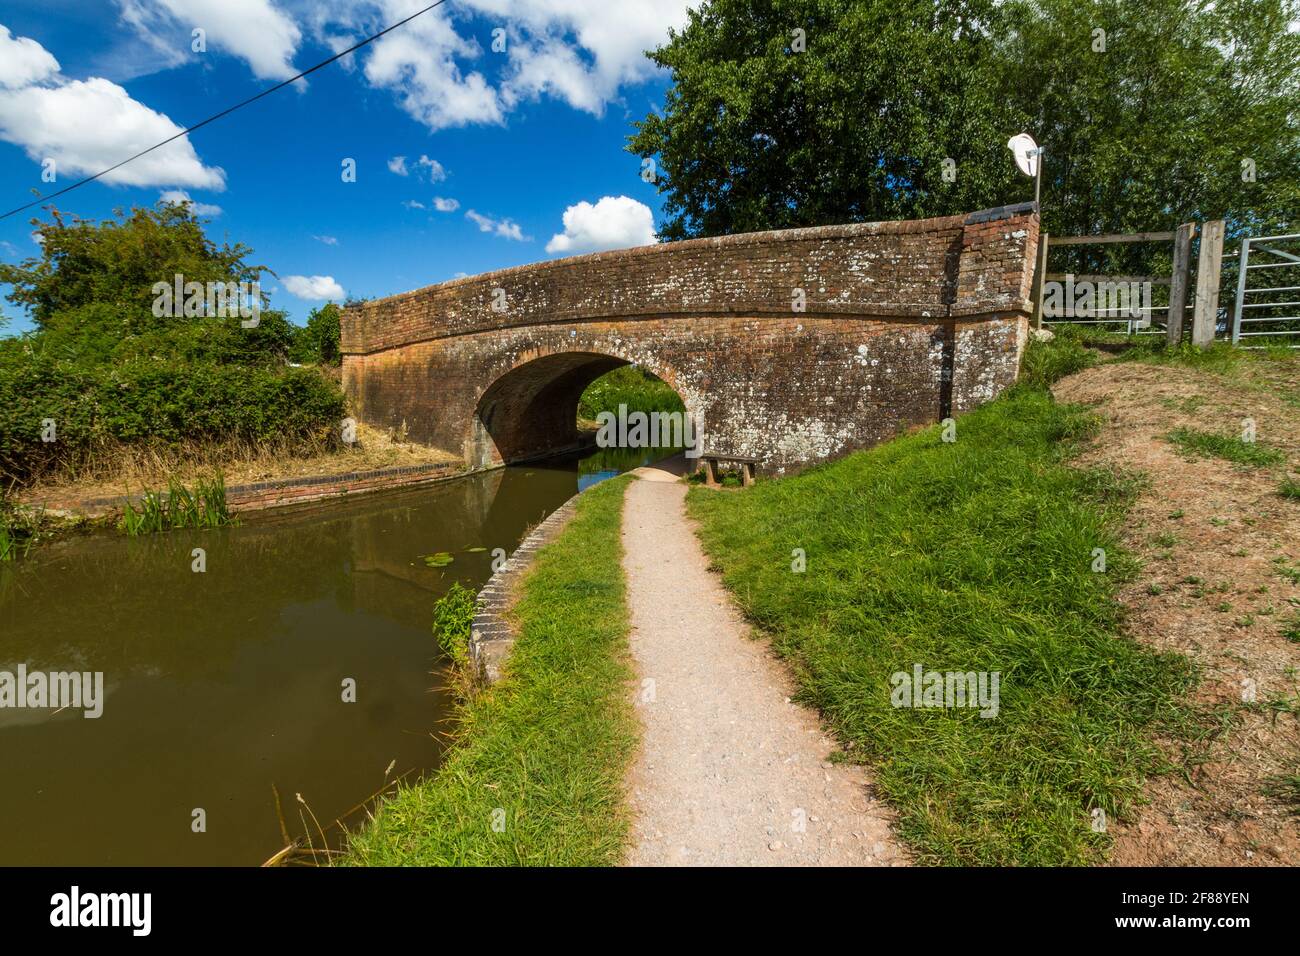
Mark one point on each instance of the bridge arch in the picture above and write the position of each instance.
(788, 347)
(530, 409)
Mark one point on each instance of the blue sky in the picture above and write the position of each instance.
(513, 139)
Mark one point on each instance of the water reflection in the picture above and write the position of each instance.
(222, 685)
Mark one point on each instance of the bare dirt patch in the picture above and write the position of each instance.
(1220, 583)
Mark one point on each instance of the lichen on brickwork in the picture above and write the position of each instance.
(903, 323)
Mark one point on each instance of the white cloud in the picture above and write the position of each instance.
(85, 126)
(581, 51)
(412, 204)
(255, 31)
(398, 165)
(419, 64)
(614, 222)
(433, 168)
(313, 288)
(576, 51)
(23, 61)
(88, 125)
(445, 205)
(328, 240)
(181, 196)
(505, 228)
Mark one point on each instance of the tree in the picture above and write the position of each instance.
(318, 341)
(1160, 118)
(117, 261)
(91, 293)
(1144, 129)
(758, 135)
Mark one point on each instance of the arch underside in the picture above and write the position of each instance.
(531, 411)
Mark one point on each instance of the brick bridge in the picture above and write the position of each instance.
(901, 323)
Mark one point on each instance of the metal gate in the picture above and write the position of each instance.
(1269, 311)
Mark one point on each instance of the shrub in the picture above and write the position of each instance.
(151, 401)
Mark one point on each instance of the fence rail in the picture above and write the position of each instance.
(1138, 320)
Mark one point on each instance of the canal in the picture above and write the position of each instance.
(224, 691)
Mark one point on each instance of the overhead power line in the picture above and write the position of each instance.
(226, 112)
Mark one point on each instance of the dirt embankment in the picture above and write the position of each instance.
(132, 474)
(1220, 583)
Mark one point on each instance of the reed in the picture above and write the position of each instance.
(179, 507)
(18, 531)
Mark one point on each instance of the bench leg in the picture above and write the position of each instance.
(746, 474)
(710, 473)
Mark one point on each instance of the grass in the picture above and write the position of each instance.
(1045, 363)
(1286, 569)
(1196, 443)
(1289, 488)
(969, 556)
(19, 530)
(1286, 789)
(179, 507)
(543, 753)
(1291, 630)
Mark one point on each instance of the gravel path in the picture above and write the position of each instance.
(730, 773)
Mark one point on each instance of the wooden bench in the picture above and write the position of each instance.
(710, 464)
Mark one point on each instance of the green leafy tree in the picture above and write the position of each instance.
(110, 372)
(758, 135)
(1149, 131)
(91, 294)
(318, 341)
(117, 261)
(1154, 112)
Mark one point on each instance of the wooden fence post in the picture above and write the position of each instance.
(1178, 282)
(1042, 277)
(1206, 311)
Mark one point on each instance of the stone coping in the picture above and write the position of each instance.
(742, 239)
(491, 635)
(264, 494)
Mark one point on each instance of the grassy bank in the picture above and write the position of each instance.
(968, 556)
(542, 753)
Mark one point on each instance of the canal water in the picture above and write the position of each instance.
(226, 688)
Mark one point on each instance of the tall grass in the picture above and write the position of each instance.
(18, 531)
(179, 507)
(1045, 362)
(976, 555)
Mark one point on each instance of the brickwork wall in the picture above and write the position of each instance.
(904, 323)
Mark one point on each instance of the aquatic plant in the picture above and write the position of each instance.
(179, 507)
